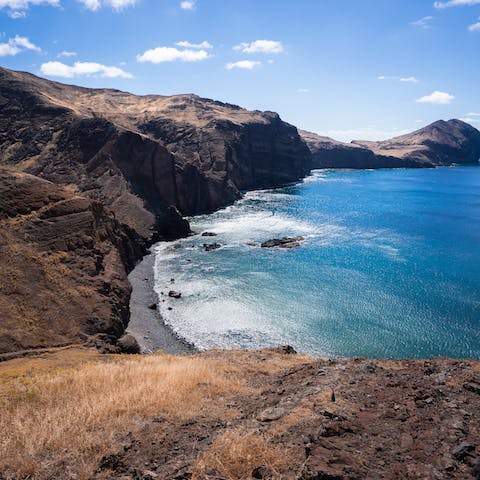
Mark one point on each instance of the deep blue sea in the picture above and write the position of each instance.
(390, 267)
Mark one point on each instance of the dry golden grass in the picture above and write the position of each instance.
(234, 455)
(74, 415)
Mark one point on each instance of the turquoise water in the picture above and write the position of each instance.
(390, 267)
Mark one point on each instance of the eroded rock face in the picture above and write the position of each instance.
(64, 265)
(139, 155)
(439, 144)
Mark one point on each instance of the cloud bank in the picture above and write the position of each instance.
(437, 98)
(455, 3)
(243, 64)
(16, 45)
(171, 54)
(117, 5)
(59, 69)
(260, 46)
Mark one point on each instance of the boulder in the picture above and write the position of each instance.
(172, 225)
(285, 242)
(211, 246)
(128, 344)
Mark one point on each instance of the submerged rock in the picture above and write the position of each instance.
(209, 234)
(285, 242)
(174, 294)
(211, 246)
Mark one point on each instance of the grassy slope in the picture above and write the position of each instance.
(76, 414)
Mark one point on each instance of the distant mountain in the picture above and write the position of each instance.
(441, 143)
(140, 154)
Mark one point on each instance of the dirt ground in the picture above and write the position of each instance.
(277, 415)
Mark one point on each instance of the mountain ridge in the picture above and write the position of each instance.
(193, 153)
(440, 143)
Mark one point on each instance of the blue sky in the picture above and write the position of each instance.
(347, 68)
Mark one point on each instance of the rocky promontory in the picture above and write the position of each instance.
(441, 143)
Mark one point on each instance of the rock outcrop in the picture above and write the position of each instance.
(140, 154)
(64, 264)
(439, 144)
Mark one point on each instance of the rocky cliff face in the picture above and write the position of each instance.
(439, 144)
(123, 169)
(64, 264)
(138, 155)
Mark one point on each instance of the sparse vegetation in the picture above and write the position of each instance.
(235, 456)
(73, 415)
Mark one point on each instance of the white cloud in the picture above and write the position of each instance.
(303, 90)
(188, 4)
(243, 64)
(456, 3)
(398, 79)
(408, 80)
(18, 8)
(437, 98)
(423, 23)
(16, 45)
(117, 5)
(260, 46)
(475, 27)
(170, 54)
(473, 114)
(202, 45)
(470, 120)
(67, 54)
(59, 69)
(367, 133)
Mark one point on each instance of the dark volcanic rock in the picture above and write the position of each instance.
(174, 294)
(211, 246)
(139, 155)
(64, 264)
(441, 143)
(128, 344)
(460, 452)
(172, 225)
(285, 242)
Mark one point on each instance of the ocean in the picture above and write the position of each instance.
(390, 267)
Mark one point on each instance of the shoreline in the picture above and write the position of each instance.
(147, 325)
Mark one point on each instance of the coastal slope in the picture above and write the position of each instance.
(441, 143)
(118, 171)
(65, 260)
